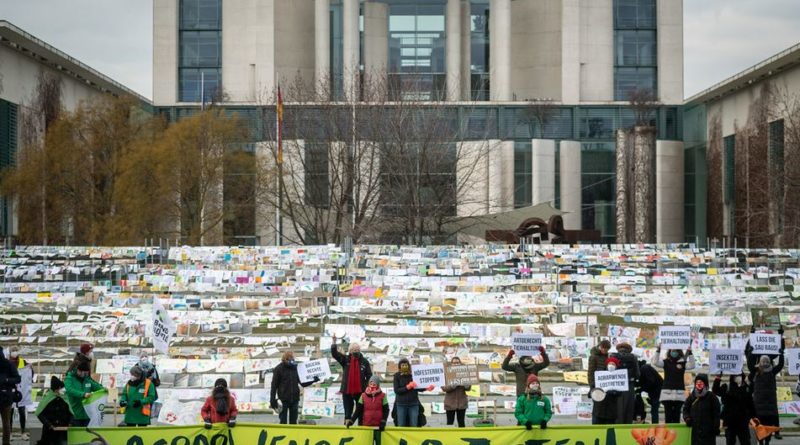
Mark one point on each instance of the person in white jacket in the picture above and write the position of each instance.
(24, 387)
(673, 391)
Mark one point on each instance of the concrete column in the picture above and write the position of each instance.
(501, 177)
(472, 177)
(570, 52)
(466, 51)
(544, 170)
(454, 28)
(376, 49)
(597, 50)
(165, 52)
(500, 50)
(570, 178)
(670, 51)
(322, 48)
(669, 191)
(350, 48)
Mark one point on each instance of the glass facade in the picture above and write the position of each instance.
(635, 49)
(417, 50)
(200, 50)
(479, 50)
(8, 152)
(598, 182)
(523, 174)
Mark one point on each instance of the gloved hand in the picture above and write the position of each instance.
(231, 423)
(137, 404)
(780, 330)
(316, 379)
(273, 404)
(528, 425)
(207, 424)
(543, 425)
(382, 426)
(541, 349)
(123, 403)
(510, 353)
(411, 385)
(348, 423)
(430, 388)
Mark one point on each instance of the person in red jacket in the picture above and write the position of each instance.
(372, 408)
(220, 406)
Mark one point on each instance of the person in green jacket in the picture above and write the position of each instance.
(80, 385)
(533, 408)
(137, 398)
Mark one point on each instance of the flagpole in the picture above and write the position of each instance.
(279, 159)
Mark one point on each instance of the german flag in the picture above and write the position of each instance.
(279, 126)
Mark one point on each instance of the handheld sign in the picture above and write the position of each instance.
(163, 327)
(769, 344)
(425, 375)
(526, 344)
(675, 337)
(314, 368)
(725, 361)
(611, 380)
(461, 375)
(793, 359)
(765, 317)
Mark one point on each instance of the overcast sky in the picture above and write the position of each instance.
(721, 37)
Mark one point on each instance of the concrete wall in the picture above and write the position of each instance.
(596, 50)
(501, 177)
(536, 46)
(165, 51)
(376, 45)
(669, 191)
(248, 71)
(570, 187)
(473, 164)
(670, 51)
(543, 168)
(294, 41)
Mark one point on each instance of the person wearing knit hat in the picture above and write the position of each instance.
(80, 385)
(84, 355)
(701, 412)
(54, 413)
(763, 378)
(372, 407)
(533, 408)
(455, 399)
(526, 366)
(626, 400)
(137, 397)
(597, 362)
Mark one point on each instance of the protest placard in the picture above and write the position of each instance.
(675, 337)
(314, 368)
(765, 318)
(611, 380)
(793, 361)
(725, 361)
(526, 344)
(461, 375)
(163, 327)
(425, 375)
(765, 343)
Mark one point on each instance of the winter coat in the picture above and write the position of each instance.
(9, 379)
(737, 404)
(372, 410)
(650, 381)
(674, 387)
(344, 361)
(624, 403)
(76, 389)
(521, 372)
(702, 414)
(209, 410)
(533, 409)
(597, 362)
(404, 396)
(25, 384)
(136, 393)
(53, 411)
(764, 387)
(286, 383)
(455, 397)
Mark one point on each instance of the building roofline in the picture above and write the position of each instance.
(19, 40)
(758, 72)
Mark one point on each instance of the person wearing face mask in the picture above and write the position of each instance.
(84, 355)
(533, 408)
(137, 398)
(372, 409)
(26, 375)
(9, 379)
(149, 371)
(701, 412)
(597, 362)
(455, 399)
(54, 413)
(651, 382)
(626, 400)
(407, 395)
(220, 406)
(80, 385)
(737, 408)
(286, 388)
(525, 367)
(763, 374)
(673, 390)
(354, 378)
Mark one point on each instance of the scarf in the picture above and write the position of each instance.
(48, 397)
(371, 392)
(354, 376)
(702, 393)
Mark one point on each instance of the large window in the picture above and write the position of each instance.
(479, 50)
(317, 176)
(523, 174)
(598, 182)
(200, 59)
(635, 49)
(8, 152)
(417, 50)
(776, 170)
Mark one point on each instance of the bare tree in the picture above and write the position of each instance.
(537, 115)
(644, 103)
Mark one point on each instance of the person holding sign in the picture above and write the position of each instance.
(286, 388)
(701, 412)
(220, 406)
(354, 378)
(737, 408)
(407, 395)
(762, 378)
(626, 401)
(455, 399)
(526, 366)
(597, 362)
(80, 385)
(675, 365)
(137, 397)
(533, 408)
